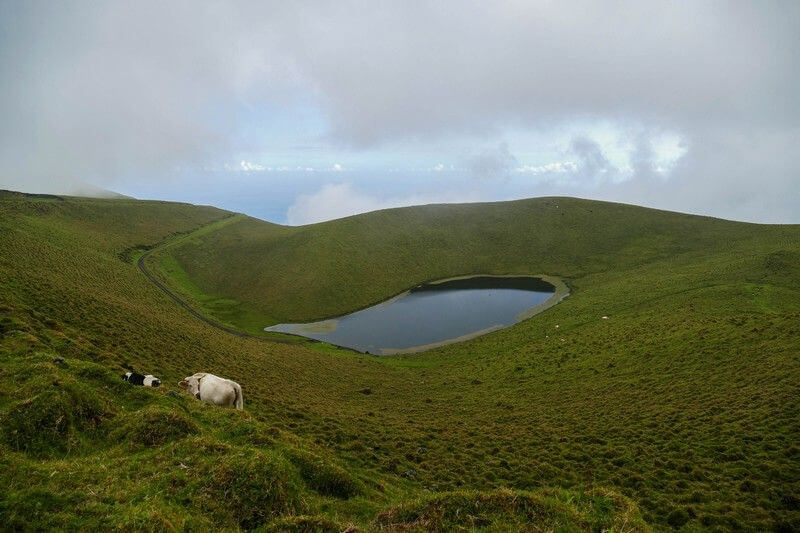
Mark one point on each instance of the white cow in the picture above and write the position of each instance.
(214, 389)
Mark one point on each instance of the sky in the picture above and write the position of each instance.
(299, 112)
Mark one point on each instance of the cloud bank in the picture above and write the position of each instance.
(100, 91)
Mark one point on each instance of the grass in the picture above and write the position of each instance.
(679, 411)
(508, 510)
(294, 274)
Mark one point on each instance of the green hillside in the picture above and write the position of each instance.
(680, 410)
(301, 273)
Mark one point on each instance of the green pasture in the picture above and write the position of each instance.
(679, 411)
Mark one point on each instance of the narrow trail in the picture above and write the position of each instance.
(181, 302)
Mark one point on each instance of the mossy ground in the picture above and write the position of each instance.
(684, 402)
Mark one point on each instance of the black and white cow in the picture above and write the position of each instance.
(140, 379)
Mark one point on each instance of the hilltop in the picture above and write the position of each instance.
(680, 410)
(308, 272)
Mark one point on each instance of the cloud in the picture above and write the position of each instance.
(492, 162)
(101, 91)
(592, 162)
(478, 66)
(556, 167)
(247, 166)
(743, 176)
(337, 200)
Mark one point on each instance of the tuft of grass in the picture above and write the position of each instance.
(249, 489)
(47, 424)
(154, 426)
(324, 476)
(305, 524)
(507, 510)
(36, 508)
(153, 515)
(677, 518)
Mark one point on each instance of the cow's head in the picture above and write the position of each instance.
(126, 376)
(192, 384)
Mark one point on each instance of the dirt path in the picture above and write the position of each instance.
(181, 302)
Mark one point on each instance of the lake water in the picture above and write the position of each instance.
(431, 314)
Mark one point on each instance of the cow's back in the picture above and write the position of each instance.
(217, 390)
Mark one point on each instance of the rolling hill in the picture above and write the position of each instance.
(679, 411)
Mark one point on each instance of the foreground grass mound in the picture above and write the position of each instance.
(155, 426)
(306, 524)
(250, 489)
(81, 449)
(47, 424)
(74, 432)
(56, 413)
(508, 510)
(324, 476)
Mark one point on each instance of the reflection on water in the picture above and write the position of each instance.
(430, 314)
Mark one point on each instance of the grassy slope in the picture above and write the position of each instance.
(81, 449)
(296, 273)
(686, 399)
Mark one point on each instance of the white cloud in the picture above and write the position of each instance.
(247, 166)
(667, 149)
(337, 200)
(557, 167)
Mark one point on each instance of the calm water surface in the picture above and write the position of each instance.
(431, 313)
